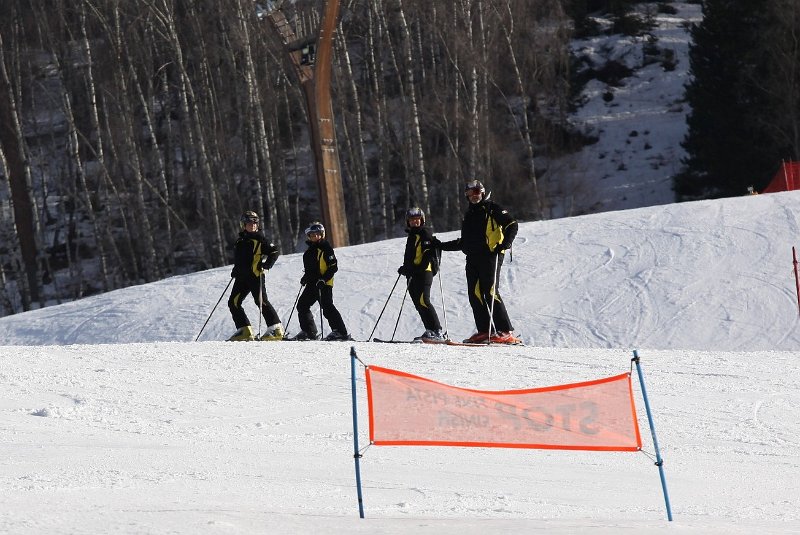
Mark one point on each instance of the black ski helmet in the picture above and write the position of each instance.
(475, 185)
(316, 226)
(249, 217)
(415, 212)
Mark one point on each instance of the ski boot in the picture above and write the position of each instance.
(243, 334)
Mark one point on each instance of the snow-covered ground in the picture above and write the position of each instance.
(113, 420)
(639, 122)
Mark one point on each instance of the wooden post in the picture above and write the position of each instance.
(312, 62)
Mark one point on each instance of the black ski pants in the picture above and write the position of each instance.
(324, 294)
(419, 288)
(250, 285)
(482, 288)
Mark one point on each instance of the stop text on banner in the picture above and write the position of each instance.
(405, 409)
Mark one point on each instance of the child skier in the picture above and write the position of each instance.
(253, 255)
(320, 265)
(420, 264)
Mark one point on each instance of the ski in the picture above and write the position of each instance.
(260, 340)
(484, 344)
(431, 342)
(348, 339)
(396, 341)
(435, 342)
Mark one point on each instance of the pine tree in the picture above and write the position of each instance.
(728, 143)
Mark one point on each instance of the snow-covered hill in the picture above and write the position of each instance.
(138, 429)
(709, 275)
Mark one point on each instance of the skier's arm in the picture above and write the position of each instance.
(330, 260)
(241, 261)
(269, 256)
(509, 225)
(429, 251)
(452, 245)
(407, 268)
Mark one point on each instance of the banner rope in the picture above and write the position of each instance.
(651, 456)
(362, 450)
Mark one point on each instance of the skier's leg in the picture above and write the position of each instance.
(491, 277)
(330, 311)
(304, 315)
(475, 292)
(267, 310)
(420, 292)
(239, 292)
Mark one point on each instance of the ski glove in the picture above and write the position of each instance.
(320, 283)
(403, 271)
(303, 280)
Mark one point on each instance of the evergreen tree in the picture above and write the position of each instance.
(780, 53)
(728, 144)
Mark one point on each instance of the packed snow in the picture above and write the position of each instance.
(114, 420)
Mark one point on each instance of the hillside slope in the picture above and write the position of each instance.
(707, 275)
(638, 117)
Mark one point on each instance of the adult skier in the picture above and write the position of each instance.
(253, 255)
(487, 232)
(420, 264)
(319, 262)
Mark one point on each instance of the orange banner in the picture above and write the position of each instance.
(407, 410)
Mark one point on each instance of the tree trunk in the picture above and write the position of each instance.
(374, 41)
(417, 157)
(357, 156)
(13, 146)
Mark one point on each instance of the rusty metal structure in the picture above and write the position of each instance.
(311, 59)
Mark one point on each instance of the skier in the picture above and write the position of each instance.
(420, 264)
(487, 231)
(253, 255)
(320, 265)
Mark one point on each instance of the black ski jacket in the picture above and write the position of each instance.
(487, 228)
(319, 263)
(419, 255)
(252, 255)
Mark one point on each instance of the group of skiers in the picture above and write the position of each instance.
(487, 232)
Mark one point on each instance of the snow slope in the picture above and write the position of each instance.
(639, 122)
(708, 275)
(113, 420)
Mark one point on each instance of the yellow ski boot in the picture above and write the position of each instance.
(274, 333)
(244, 334)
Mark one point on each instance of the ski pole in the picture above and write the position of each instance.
(796, 278)
(260, 301)
(492, 292)
(384, 307)
(213, 309)
(403, 302)
(296, 299)
(441, 290)
(321, 324)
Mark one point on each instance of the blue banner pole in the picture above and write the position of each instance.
(356, 454)
(659, 461)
